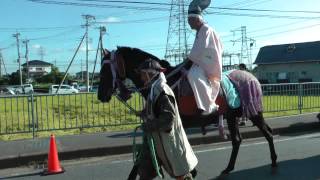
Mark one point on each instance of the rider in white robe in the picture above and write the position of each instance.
(206, 71)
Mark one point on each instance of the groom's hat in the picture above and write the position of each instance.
(196, 7)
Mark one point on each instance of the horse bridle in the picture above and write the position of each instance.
(118, 71)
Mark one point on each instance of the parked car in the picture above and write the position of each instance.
(94, 89)
(22, 89)
(83, 88)
(64, 89)
(6, 91)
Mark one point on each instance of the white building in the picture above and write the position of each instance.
(37, 68)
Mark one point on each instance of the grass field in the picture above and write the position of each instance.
(83, 113)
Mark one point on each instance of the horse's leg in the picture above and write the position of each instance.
(134, 172)
(267, 132)
(236, 139)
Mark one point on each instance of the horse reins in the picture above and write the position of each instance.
(118, 68)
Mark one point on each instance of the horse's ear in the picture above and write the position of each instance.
(105, 52)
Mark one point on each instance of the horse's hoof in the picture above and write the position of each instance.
(274, 169)
(225, 172)
(203, 130)
(194, 173)
(223, 175)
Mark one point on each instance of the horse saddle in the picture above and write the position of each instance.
(187, 104)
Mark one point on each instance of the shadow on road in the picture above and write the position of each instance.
(307, 168)
(22, 175)
(139, 133)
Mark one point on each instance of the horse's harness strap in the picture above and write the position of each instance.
(121, 66)
(113, 67)
(176, 70)
(116, 61)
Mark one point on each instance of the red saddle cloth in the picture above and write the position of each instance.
(188, 105)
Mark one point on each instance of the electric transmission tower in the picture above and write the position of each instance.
(177, 42)
(245, 53)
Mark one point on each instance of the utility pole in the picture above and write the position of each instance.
(81, 71)
(26, 41)
(42, 53)
(16, 35)
(88, 18)
(0, 64)
(99, 48)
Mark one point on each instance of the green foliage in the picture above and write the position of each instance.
(14, 78)
(54, 77)
(4, 80)
(65, 113)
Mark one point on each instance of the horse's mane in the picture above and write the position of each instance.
(136, 54)
(134, 57)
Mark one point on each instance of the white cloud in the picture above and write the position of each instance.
(303, 35)
(111, 20)
(83, 47)
(36, 46)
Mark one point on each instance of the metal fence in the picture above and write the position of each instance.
(291, 98)
(46, 112)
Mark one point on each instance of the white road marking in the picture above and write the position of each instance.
(259, 143)
(242, 145)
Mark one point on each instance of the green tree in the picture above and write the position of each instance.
(14, 78)
(55, 76)
(4, 80)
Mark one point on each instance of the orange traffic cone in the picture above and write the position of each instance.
(53, 160)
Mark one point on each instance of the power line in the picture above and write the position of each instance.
(291, 30)
(242, 3)
(28, 29)
(55, 35)
(264, 15)
(101, 5)
(147, 20)
(8, 47)
(161, 4)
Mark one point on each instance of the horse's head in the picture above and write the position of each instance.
(106, 84)
(116, 66)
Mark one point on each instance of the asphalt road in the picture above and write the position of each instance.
(298, 157)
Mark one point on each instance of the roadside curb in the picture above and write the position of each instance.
(194, 139)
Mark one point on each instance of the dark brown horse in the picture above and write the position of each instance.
(122, 63)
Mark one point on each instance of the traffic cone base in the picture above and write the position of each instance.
(53, 160)
(58, 171)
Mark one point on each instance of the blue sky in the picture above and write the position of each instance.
(56, 29)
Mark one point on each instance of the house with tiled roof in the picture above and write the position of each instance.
(289, 63)
(37, 68)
